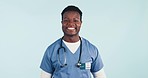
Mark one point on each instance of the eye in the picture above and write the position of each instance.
(76, 20)
(65, 20)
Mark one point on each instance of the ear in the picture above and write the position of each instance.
(61, 22)
(81, 22)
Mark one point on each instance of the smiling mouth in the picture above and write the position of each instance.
(71, 28)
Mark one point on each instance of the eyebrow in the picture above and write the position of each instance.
(73, 18)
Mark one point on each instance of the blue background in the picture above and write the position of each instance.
(119, 28)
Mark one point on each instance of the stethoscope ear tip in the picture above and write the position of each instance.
(63, 65)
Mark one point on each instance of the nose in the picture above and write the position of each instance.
(71, 23)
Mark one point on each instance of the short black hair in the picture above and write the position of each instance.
(72, 8)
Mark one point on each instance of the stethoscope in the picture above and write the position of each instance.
(78, 64)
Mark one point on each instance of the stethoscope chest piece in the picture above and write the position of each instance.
(78, 64)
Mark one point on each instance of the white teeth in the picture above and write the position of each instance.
(71, 28)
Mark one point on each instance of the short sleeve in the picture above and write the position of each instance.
(46, 64)
(97, 64)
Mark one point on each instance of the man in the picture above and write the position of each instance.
(72, 56)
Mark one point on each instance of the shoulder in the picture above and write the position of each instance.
(88, 43)
(55, 43)
(53, 47)
(91, 48)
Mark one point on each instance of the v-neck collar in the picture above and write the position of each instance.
(68, 50)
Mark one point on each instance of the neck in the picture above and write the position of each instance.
(71, 39)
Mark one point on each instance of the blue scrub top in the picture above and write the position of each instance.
(90, 55)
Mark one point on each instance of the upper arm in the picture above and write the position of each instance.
(97, 63)
(99, 74)
(45, 74)
(46, 63)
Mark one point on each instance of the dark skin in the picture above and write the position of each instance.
(71, 25)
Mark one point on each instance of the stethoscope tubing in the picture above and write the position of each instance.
(64, 63)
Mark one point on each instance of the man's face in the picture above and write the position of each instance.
(71, 23)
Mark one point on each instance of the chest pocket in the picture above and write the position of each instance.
(86, 58)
